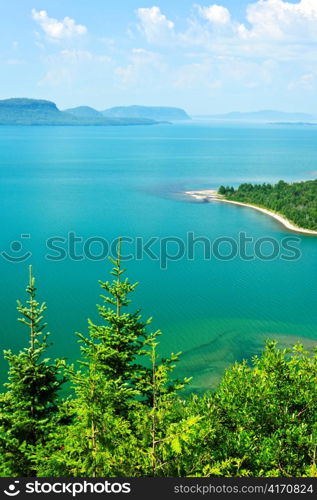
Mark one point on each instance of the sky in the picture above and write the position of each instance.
(202, 56)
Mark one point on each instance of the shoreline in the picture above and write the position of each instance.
(210, 195)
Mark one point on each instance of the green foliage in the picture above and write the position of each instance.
(113, 389)
(264, 416)
(296, 201)
(29, 408)
(225, 190)
(126, 415)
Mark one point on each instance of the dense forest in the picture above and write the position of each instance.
(125, 415)
(296, 201)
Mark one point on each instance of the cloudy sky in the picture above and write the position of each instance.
(205, 57)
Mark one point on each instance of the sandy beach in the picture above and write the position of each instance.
(210, 195)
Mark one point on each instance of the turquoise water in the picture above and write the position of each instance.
(107, 182)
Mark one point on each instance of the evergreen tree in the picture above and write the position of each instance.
(163, 429)
(128, 419)
(29, 407)
(115, 392)
(295, 201)
(114, 349)
(106, 386)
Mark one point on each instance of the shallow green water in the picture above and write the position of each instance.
(107, 182)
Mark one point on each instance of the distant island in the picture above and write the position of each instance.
(294, 205)
(294, 124)
(85, 112)
(266, 115)
(24, 111)
(158, 113)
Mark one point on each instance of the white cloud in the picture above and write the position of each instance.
(58, 30)
(282, 20)
(144, 65)
(79, 56)
(259, 51)
(55, 78)
(155, 25)
(70, 66)
(15, 62)
(304, 82)
(220, 72)
(272, 49)
(268, 23)
(216, 14)
(197, 76)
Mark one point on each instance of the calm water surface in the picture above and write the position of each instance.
(107, 182)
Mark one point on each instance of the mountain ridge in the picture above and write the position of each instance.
(84, 112)
(152, 112)
(26, 111)
(265, 114)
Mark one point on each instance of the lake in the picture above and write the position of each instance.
(98, 183)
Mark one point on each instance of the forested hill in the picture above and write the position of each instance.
(23, 111)
(158, 113)
(296, 201)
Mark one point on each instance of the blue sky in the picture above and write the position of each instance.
(205, 57)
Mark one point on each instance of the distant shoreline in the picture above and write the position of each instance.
(209, 195)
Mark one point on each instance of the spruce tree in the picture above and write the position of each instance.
(163, 429)
(29, 407)
(114, 387)
(106, 385)
(114, 348)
